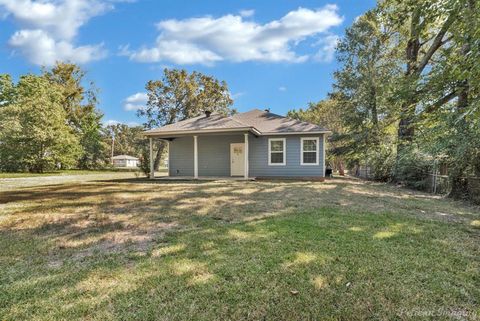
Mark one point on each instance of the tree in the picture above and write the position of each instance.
(450, 120)
(6, 89)
(369, 64)
(91, 140)
(428, 26)
(432, 105)
(180, 95)
(128, 140)
(34, 135)
(82, 115)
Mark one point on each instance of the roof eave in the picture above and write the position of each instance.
(149, 133)
(296, 133)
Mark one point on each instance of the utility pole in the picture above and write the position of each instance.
(113, 146)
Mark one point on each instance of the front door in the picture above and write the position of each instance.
(237, 159)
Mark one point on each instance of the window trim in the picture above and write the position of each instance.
(317, 151)
(270, 151)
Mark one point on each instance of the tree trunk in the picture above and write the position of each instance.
(405, 127)
(374, 111)
(341, 168)
(407, 110)
(458, 184)
(458, 177)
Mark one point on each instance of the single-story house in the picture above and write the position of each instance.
(256, 143)
(125, 161)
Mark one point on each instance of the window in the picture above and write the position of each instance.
(276, 151)
(309, 151)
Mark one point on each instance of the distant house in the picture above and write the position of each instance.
(252, 144)
(125, 161)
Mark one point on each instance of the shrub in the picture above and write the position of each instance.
(382, 163)
(413, 168)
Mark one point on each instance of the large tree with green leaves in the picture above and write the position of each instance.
(423, 29)
(369, 64)
(34, 135)
(180, 95)
(448, 120)
(79, 102)
(433, 103)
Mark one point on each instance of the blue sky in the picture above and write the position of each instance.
(273, 54)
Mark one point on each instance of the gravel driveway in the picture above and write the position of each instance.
(19, 182)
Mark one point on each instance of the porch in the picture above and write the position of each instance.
(205, 156)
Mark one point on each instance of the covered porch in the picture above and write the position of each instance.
(217, 155)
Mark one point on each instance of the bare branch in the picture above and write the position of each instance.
(437, 43)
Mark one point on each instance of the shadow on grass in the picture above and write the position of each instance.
(295, 266)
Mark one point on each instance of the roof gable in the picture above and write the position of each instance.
(267, 122)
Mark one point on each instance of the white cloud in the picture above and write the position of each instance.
(135, 102)
(49, 27)
(326, 53)
(247, 13)
(40, 49)
(62, 19)
(282, 88)
(209, 40)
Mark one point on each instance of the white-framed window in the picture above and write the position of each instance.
(309, 150)
(277, 151)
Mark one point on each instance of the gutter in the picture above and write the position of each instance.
(255, 131)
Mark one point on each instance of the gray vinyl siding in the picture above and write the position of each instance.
(214, 156)
(258, 158)
(180, 156)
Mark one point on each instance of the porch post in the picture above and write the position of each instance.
(246, 157)
(152, 172)
(168, 159)
(195, 157)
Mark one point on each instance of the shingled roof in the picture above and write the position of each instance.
(270, 123)
(258, 121)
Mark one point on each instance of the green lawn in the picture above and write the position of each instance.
(135, 250)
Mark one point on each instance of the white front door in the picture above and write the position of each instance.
(237, 159)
